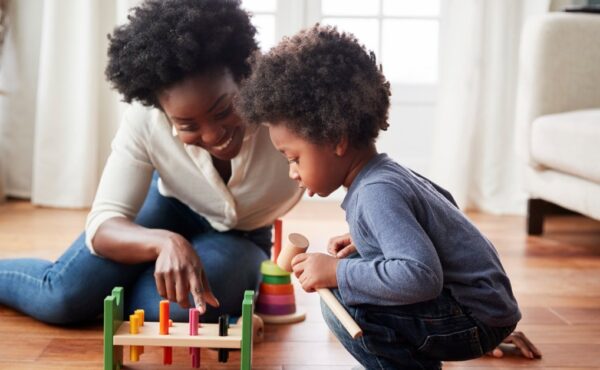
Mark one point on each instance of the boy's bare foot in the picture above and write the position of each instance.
(519, 343)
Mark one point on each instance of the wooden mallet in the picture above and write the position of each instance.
(299, 244)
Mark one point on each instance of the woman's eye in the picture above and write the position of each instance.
(224, 113)
(187, 128)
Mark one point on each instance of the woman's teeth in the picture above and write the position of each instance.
(224, 145)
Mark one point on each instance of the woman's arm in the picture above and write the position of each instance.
(178, 269)
(111, 233)
(121, 240)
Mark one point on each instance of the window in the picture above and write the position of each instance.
(263, 18)
(403, 34)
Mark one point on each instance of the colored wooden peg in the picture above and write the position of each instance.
(134, 328)
(277, 239)
(168, 355)
(194, 322)
(223, 329)
(134, 324)
(140, 313)
(164, 330)
(164, 317)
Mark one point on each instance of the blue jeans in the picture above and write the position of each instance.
(416, 336)
(73, 288)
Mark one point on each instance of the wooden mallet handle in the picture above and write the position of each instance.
(299, 244)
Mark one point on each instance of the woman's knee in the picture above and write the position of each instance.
(65, 306)
(230, 259)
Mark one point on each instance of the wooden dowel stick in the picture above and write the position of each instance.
(340, 312)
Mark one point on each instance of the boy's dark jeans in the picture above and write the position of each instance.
(416, 336)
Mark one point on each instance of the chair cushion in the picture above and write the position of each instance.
(568, 142)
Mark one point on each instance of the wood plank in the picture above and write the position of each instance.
(208, 336)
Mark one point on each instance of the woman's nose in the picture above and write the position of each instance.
(210, 135)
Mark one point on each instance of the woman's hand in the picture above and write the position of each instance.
(315, 270)
(179, 271)
(341, 246)
(519, 341)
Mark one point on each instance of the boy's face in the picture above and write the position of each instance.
(320, 169)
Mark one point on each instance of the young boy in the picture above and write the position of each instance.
(425, 285)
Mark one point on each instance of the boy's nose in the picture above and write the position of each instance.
(294, 175)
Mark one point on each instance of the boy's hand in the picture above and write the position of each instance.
(341, 246)
(521, 343)
(315, 270)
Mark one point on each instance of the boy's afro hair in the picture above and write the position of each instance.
(323, 83)
(166, 41)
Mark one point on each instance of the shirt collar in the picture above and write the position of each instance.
(361, 175)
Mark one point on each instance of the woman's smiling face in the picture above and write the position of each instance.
(200, 108)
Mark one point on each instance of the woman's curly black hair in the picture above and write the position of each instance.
(323, 83)
(166, 41)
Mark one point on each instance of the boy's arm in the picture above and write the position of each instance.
(408, 270)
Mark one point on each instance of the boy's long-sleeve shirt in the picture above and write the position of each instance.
(413, 241)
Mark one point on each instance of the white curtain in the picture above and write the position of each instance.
(58, 119)
(18, 79)
(474, 147)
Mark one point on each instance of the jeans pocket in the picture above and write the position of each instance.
(458, 346)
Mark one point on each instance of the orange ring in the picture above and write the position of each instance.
(276, 289)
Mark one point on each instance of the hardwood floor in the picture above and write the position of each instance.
(556, 278)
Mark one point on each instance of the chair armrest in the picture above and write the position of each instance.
(559, 68)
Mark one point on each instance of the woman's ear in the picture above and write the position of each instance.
(342, 146)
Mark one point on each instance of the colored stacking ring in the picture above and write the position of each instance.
(275, 309)
(276, 289)
(276, 279)
(277, 299)
(269, 268)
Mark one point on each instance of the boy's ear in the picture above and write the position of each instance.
(342, 146)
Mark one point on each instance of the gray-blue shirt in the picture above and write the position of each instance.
(413, 241)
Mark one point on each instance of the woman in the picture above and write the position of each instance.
(188, 194)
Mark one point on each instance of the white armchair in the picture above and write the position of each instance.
(558, 115)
